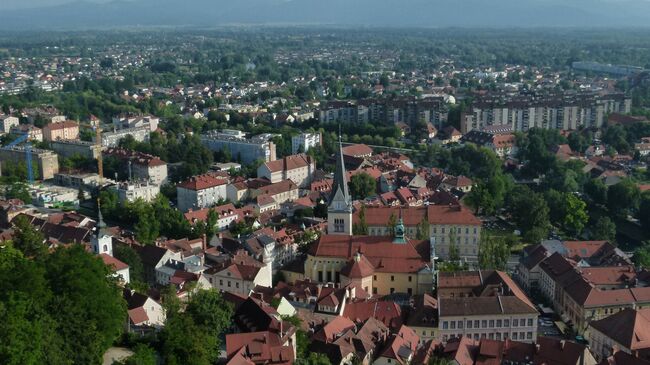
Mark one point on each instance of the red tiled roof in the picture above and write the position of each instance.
(583, 249)
(138, 315)
(62, 125)
(289, 163)
(113, 263)
(222, 211)
(384, 255)
(202, 182)
(412, 216)
(629, 327)
(387, 312)
(358, 269)
(258, 347)
(357, 150)
(277, 188)
(332, 328)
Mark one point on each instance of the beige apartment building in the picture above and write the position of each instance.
(444, 224)
(297, 168)
(61, 131)
(484, 304)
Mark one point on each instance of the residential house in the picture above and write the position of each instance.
(202, 191)
(444, 223)
(283, 191)
(226, 215)
(145, 314)
(61, 130)
(297, 168)
(496, 308)
(627, 330)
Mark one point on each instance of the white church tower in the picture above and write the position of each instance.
(101, 241)
(339, 211)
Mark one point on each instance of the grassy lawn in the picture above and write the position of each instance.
(514, 242)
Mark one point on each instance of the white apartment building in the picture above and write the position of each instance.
(297, 168)
(306, 141)
(131, 191)
(7, 122)
(200, 192)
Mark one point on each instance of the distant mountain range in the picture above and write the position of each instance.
(390, 13)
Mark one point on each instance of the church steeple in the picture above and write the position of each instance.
(101, 242)
(101, 226)
(339, 211)
(340, 191)
(400, 230)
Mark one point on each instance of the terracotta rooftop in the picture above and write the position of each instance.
(289, 163)
(383, 254)
(412, 216)
(202, 182)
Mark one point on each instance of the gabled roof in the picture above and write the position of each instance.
(357, 268)
(387, 312)
(201, 182)
(336, 326)
(113, 263)
(629, 327)
(289, 163)
(560, 352)
(357, 150)
(383, 254)
(259, 347)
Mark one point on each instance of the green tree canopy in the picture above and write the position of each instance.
(27, 238)
(604, 229)
(493, 252)
(623, 197)
(362, 186)
(87, 303)
(18, 190)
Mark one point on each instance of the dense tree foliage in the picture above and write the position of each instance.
(193, 336)
(70, 312)
(362, 186)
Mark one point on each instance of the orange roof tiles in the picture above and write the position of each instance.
(202, 182)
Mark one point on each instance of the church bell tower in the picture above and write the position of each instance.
(339, 210)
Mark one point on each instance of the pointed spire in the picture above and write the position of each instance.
(340, 186)
(399, 229)
(100, 219)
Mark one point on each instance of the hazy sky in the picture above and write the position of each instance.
(23, 4)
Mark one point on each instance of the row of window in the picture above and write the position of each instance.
(491, 336)
(458, 230)
(498, 323)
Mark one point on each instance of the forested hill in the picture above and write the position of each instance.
(399, 13)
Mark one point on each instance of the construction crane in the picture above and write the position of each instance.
(28, 153)
(100, 161)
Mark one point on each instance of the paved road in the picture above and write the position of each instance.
(116, 354)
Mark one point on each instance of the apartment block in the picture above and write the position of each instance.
(7, 122)
(200, 192)
(484, 305)
(46, 162)
(305, 141)
(143, 167)
(243, 150)
(563, 111)
(444, 223)
(297, 168)
(69, 148)
(112, 139)
(131, 191)
(409, 110)
(61, 131)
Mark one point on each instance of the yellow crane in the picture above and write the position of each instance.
(100, 162)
